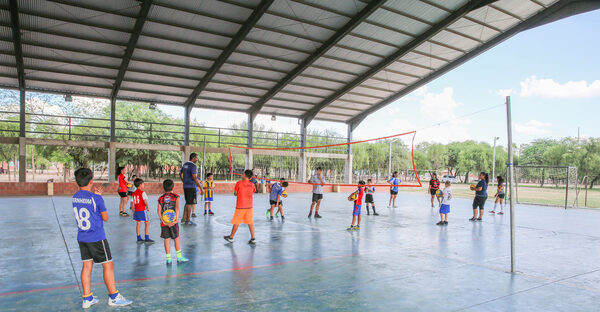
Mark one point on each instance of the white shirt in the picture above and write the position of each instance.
(317, 189)
(446, 196)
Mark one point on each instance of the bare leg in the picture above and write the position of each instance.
(108, 269)
(358, 220)
(86, 277)
(432, 200)
(311, 207)
(475, 213)
(317, 207)
(481, 213)
(137, 228)
(167, 246)
(273, 206)
(234, 229)
(280, 210)
(353, 220)
(147, 229)
(251, 228)
(177, 244)
(445, 217)
(441, 217)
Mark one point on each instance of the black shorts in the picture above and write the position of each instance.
(432, 191)
(369, 199)
(99, 251)
(274, 202)
(501, 196)
(122, 194)
(169, 231)
(129, 193)
(190, 196)
(393, 192)
(317, 197)
(479, 202)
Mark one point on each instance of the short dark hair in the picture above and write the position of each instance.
(319, 168)
(83, 176)
(168, 185)
(209, 174)
(134, 176)
(285, 184)
(369, 180)
(193, 155)
(395, 172)
(119, 169)
(137, 182)
(361, 182)
(282, 179)
(249, 174)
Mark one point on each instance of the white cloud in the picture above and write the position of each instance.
(533, 127)
(505, 92)
(548, 88)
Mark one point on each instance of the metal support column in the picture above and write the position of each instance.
(112, 158)
(302, 174)
(348, 165)
(511, 174)
(22, 145)
(249, 139)
(186, 134)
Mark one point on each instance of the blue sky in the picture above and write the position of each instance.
(552, 73)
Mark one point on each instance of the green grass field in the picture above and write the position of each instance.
(529, 194)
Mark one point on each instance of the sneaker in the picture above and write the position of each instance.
(204, 212)
(389, 206)
(492, 211)
(277, 214)
(191, 223)
(118, 301)
(210, 213)
(375, 214)
(149, 241)
(317, 216)
(88, 303)
(169, 262)
(282, 218)
(445, 222)
(473, 219)
(228, 238)
(368, 213)
(500, 212)
(440, 223)
(479, 219)
(350, 228)
(395, 206)
(271, 218)
(193, 215)
(309, 215)
(140, 240)
(182, 260)
(357, 227)
(252, 241)
(268, 213)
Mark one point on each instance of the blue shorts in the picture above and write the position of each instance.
(444, 208)
(356, 211)
(141, 216)
(208, 199)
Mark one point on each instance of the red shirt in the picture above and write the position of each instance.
(138, 198)
(122, 183)
(434, 184)
(245, 192)
(361, 193)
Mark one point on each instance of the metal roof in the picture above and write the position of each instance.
(328, 60)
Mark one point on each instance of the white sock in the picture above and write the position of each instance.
(502, 207)
(495, 204)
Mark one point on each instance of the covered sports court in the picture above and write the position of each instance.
(335, 61)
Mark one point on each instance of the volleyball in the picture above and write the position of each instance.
(473, 187)
(129, 185)
(353, 197)
(438, 193)
(284, 194)
(168, 216)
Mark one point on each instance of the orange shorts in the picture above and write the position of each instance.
(242, 216)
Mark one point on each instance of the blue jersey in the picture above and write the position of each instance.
(276, 189)
(188, 169)
(483, 192)
(88, 208)
(395, 181)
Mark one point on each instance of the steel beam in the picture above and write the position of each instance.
(232, 46)
(133, 39)
(16, 38)
(533, 21)
(427, 35)
(332, 41)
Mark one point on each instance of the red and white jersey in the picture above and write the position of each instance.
(138, 198)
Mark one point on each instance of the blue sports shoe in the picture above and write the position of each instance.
(182, 260)
(119, 301)
(88, 303)
(169, 262)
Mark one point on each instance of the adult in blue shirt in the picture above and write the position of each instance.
(188, 175)
(394, 181)
(480, 196)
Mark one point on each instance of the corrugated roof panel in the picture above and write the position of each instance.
(9, 82)
(438, 50)
(334, 64)
(346, 7)
(329, 74)
(66, 88)
(318, 83)
(399, 22)
(365, 90)
(523, 9)
(127, 7)
(318, 34)
(296, 97)
(238, 89)
(227, 96)
(359, 98)
(455, 40)
(387, 75)
(349, 55)
(305, 12)
(281, 111)
(329, 116)
(68, 78)
(423, 60)
(178, 71)
(7, 47)
(244, 70)
(262, 61)
(148, 43)
(156, 78)
(288, 42)
(227, 105)
(270, 51)
(5, 31)
(152, 29)
(382, 34)
(193, 21)
(343, 111)
(404, 68)
(34, 51)
(392, 85)
(244, 80)
(151, 88)
(286, 103)
(177, 60)
(217, 9)
(367, 45)
(351, 105)
(418, 9)
(473, 29)
(7, 70)
(150, 97)
(493, 17)
(70, 43)
(33, 63)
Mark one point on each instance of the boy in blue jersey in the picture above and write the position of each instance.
(275, 196)
(394, 181)
(90, 213)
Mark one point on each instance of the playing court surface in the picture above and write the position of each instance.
(398, 261)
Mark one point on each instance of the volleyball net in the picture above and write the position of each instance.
(343, 164)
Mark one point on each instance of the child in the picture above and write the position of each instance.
(317, 180)
(500, 194)
(90, 213)
(357, 205)
(209, 191)
(370, 190)
(122, 191)
(244, 190)
(139, 205)
(481, 196)
(394, 181)
(434, 186)
(275, 198)
(445, 206)
(168, 231)
(131, 189)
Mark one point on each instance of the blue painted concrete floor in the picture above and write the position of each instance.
(398, 261)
